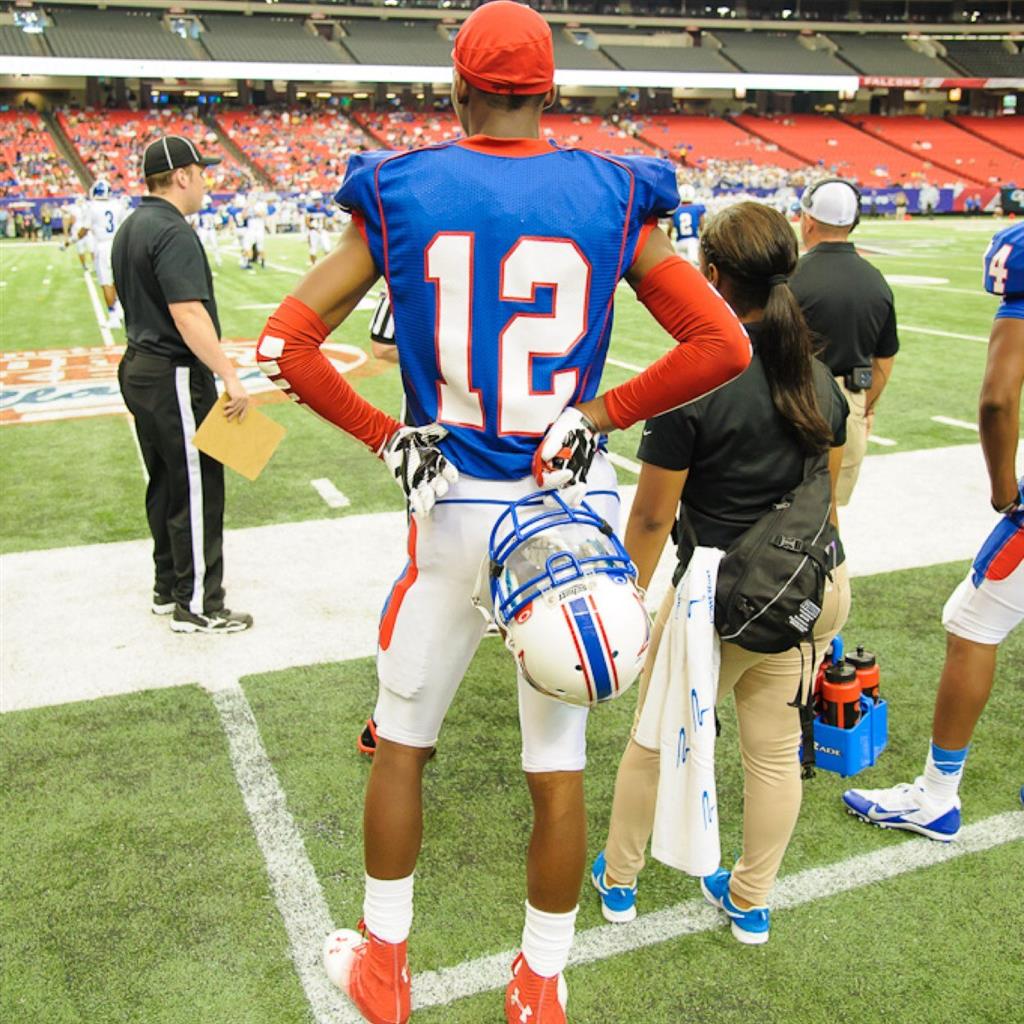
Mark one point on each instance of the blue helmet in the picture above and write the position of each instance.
(564, 593)
(100, 190)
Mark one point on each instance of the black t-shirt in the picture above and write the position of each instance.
(742, 456)
(848, 304)
(158, 259)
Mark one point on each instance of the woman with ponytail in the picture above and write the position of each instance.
(724, 460)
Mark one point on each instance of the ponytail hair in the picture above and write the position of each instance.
(754, 248)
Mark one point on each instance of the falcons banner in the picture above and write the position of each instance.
(909, 82)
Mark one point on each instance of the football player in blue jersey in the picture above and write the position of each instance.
(502, 254)
(687, 220)
(989, 603)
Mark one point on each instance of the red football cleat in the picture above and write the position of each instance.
(531, 999)
(373, 973)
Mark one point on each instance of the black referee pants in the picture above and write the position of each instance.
(185, 495)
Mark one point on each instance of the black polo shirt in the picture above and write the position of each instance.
(742, 455)
(158, 259)
(847, 304)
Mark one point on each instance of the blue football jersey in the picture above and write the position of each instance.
(502, 257)
(686, 219)
(1004, 270)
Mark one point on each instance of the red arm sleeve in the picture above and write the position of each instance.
(288, 352)
(713, 347)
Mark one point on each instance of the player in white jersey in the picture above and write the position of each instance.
(257, 232)
(103, 215)
(82, 240)
(316, 227)
(207, 230)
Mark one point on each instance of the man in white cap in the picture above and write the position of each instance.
(848, 304)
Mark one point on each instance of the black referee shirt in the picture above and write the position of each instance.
(741, 454)
(158, 259)
(847, 304)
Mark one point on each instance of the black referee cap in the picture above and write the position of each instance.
(170, 152)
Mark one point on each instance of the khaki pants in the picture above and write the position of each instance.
(856, 443)
(769, 732)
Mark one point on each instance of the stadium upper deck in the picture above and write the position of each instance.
(683, 41)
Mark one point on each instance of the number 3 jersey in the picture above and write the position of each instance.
(502, 257)
(1004, 270)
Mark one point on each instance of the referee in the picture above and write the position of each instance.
(166, 377)
(849, 306)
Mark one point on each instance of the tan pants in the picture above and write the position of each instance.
(769, 729)
(856, 443)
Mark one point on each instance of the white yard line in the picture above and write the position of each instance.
(439, 988)
(944, 334)
(285, 270)
(949, 421)
(97, 308)
(940, 288)
(885, 442)
(623, 462)
(296, 888)
(625, 366)
(130, 420)
(331, 495)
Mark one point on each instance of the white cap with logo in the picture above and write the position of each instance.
(832, 202)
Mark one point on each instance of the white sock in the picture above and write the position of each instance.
(943, 771)
(547, 939)
(387, 908)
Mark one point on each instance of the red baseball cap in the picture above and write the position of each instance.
(505, 47)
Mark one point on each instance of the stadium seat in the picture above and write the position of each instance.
(111, 142)
(297, 150)
(89, 32)
(944, 143)
(30, 165)
(234, 37)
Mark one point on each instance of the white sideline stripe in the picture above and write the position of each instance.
(101, 320)
(621, 460)
(938, 287)
(296, 888)
(330, 493)
(949, 421)
(944, 334)
(438, 988)
(885, 442)
(196, 498)
(625, 366)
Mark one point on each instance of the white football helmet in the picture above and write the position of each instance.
(565, 597)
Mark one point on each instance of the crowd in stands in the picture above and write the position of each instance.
(111, 143)
(29, 162)
(296, 149)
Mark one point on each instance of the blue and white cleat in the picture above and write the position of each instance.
(905, 807)
(748, 926)
(618, 902)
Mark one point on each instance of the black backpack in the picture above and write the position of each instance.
(771, 582)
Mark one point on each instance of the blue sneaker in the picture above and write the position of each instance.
(905, 807)
(748, 926)
(618, 902)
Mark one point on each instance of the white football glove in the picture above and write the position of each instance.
(563, 458)
(416, 462)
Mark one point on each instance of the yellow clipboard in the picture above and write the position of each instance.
(245, 446)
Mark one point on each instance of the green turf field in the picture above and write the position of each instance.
(133, 885)
(934, 375)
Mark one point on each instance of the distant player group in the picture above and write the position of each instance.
(91, 222)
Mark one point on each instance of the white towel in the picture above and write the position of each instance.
(678, 719)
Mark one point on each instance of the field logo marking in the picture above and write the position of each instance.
(61, 384)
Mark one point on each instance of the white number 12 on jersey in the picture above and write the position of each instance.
(556, 263)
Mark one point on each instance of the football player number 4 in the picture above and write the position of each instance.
(997, 269)
(554, 263)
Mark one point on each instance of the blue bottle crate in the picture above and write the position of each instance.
(848, 751)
